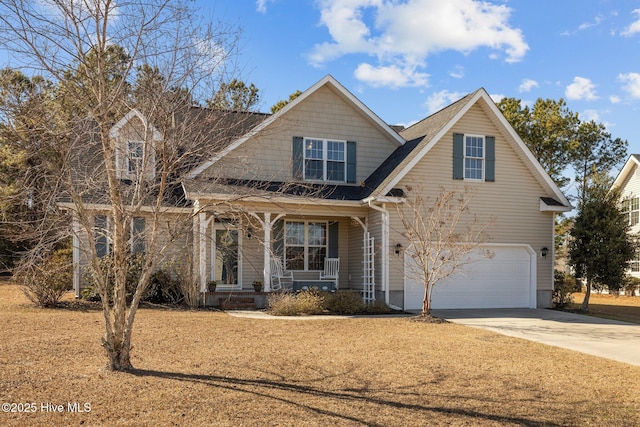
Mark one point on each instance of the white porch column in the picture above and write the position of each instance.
(76, 256)
(202, 246)
(266, 272)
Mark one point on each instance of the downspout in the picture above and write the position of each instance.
(385, 252)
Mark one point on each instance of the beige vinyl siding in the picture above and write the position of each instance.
(631, 188)
(512, 202)
(324, 114)
(178, 249)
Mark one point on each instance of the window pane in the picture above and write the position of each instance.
(335, 171)
(100, 235)
(137, 235)
(313, 149)
(294, 258)
(335, 150)
(317, 234)
(295, 233)
(313, 169)
(473, 168)
(135, 157)
(473, 146)
(634, 218)
(316, 258)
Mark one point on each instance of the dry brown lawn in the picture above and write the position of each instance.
(615, 307)
(208, 368)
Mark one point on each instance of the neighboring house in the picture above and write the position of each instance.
(322, 178)
(628, 181)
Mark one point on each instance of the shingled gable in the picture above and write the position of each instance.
(328, 80)
(425, 134)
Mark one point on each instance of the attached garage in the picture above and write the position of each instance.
(507, 280)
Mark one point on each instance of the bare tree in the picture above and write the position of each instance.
(107, 59)
(444, 236)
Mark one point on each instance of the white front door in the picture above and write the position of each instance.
(225, 257)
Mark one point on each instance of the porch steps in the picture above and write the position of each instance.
(238, 303)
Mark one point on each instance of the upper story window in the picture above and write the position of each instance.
(135, 157)
(330, 160)
(631, 208)
(473, 157)
(324, 160)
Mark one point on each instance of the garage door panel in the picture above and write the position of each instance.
(504, 281)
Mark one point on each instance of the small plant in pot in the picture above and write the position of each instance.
(211, 285)
(257, 286)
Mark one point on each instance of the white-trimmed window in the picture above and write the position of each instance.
(474, 157)
(325, 160)
(135, 157)
(101, 235)
(634, 264)
(137, 242)
(305, 245)
(631, 208)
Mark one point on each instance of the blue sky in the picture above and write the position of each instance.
(406, 59)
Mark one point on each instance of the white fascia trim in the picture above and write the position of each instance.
(626, 170)
(115, 129)
(546, 208)
(277, 199)
(328, 79)
(106, 207)
(481, 94)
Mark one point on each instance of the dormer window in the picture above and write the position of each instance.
(135, 157)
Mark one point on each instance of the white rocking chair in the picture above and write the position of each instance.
(331, 268)
(280, 279)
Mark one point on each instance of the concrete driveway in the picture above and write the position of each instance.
(592, 335)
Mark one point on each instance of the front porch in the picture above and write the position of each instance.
(236, 251)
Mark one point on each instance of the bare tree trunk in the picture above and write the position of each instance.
(585, 302)
(426, 302)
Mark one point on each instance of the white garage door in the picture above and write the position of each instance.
(507, 280)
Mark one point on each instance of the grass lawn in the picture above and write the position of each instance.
(207, 368)
(615, 307)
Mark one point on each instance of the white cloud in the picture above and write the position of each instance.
(497, 97)
(588, 115)
(582, 89)
(457, 72)
(392, 76)
(439, 100)
(527, 85)
(406, 32)
(631, 83)
(261, 5)
(634, 27)
(614, 99)
(587, 25)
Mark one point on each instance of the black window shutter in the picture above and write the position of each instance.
(298, 157)
(458, 156)
(351, 161)
(490, 159)
(333, 240)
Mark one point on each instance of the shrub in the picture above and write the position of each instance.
(630, 285)
(290, 304)
(563, 286)
(345, 303)
(46, 282)
(134, 270)
(378, 307)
